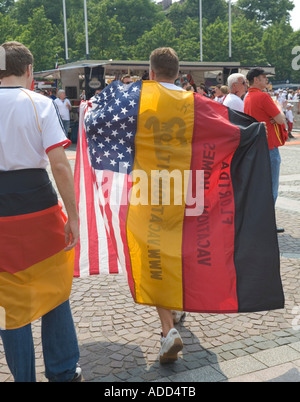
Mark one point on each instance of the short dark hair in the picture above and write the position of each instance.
(17, 59)
(165, 63)
(255, 72)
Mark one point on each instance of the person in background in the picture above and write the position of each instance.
(202, 90)
(52, 94)
(290, 119)
(64, 108)
(184, 85)
(219, 94)
(126, 79)
(237, 85)
(261, 106)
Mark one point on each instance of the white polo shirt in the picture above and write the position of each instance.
(63, 108)
(234, 102)
(30, 127)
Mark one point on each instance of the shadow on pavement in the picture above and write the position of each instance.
(117, 362)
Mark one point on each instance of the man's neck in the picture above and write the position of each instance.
(165, 81)
(256, 87)
(13, 81)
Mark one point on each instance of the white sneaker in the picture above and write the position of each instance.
(170, 346)
(78, 375)
(177, 316)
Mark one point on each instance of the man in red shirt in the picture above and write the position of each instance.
(260, 105)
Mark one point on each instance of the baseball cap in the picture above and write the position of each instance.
(255, 72)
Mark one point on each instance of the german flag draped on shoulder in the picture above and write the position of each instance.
(174, 190)
(35, 272)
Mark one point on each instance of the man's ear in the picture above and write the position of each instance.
(29, 70)
(152, 75)
(29, 76)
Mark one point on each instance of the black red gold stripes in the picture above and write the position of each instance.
(35, 271)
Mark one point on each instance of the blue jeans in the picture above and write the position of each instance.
(60, 347)
(66, 124)
(275, 159)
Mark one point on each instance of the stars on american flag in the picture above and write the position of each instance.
(111, 124)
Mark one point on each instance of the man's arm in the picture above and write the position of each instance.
(63, 177)
(69, 106)
(274, 110)
(279, 119)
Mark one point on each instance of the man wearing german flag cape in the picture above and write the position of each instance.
(36, 239)
(184, 189)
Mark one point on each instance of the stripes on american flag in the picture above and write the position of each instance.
(102, 180)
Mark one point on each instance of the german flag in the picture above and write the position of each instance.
(206, 242)
(35, 271)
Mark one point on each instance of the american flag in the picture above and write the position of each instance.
(105, 155)
(110, 126)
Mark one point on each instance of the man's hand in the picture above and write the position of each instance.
(71, 234)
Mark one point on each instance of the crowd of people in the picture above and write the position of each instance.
(231, 95)
(234, 93)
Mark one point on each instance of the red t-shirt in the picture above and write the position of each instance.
(261, 106)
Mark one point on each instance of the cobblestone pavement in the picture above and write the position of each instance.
(119, 340)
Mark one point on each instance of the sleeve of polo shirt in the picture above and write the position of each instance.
(53, 134)
(269, 106)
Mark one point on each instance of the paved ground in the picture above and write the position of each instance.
(119, 340)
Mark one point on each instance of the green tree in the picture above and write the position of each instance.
(106, 34)
(211, 10)
(131, 29)
(266, 12)
(215, 41)
(246, 41)
(161, 35)
(189, 41)
(39, 36)
(6, 5)
(277, 44)
(136, 16)
(9, 28)
(247, 45)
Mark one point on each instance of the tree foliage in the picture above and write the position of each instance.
(266, 12)
(131, 29)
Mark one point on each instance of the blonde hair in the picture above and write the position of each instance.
(224, 89)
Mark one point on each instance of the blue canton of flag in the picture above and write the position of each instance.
(111, 125)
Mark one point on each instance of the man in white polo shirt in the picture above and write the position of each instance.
(237, 88)
(36, 266)
(64, 107)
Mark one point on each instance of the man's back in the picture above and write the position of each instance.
(29, 126)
